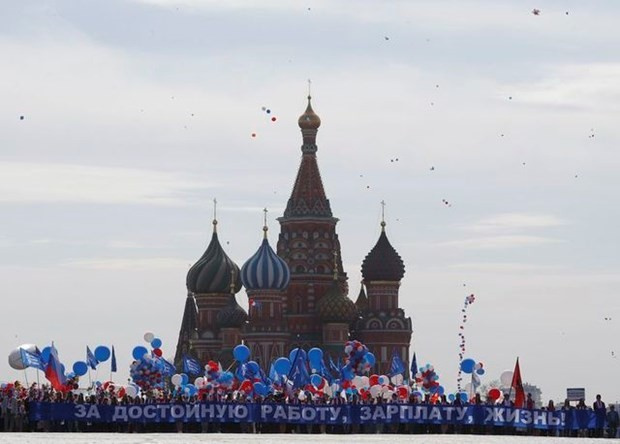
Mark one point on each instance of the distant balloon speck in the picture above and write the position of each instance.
(273, 119)
(21, 117)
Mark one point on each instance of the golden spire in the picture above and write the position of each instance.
(382, 215)
(214, 215)
(265, 228)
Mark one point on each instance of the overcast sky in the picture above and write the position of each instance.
(137, 113)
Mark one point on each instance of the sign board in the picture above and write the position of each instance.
(575, 394)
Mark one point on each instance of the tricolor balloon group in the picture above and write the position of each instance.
(470, 299)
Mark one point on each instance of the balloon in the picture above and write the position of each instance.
(139, 352)
(15, 357)
(184, 379)
(480, 371)
(293, 354)
(191, 389)
(494, 394)
(253, 367)
(131, 391)
(384, 380)
(315, 355)
(80, 368)
(241, 353)
(373, 380)
(397, 379)
(451, 397)
(261, 389)
(282, 366)
(102, 353)
(148, 337)
(156, 343)
(506, 378)
(375, 390)
(199, 382)
(246, 386)
(157, 352)
(467, 365)
(370, 359)
(176, 380)
(463, 396)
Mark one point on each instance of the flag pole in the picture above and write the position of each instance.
(513, 376)
(26, 378)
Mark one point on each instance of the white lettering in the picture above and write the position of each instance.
(120, 413)
(177, 411)
(134, 412)
(308, 414)
(81, 411)
(435, 414)
(150, 412)
(192, 411)
(93, 412)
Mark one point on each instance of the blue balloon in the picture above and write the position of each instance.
(45, 354)
(451, 397)
(184, 379)
(241, 353)
(440, 390)
(480, 371)
(347, 372)
(138, 352)
(156, 343)
(467, 365)
(70, 375)
(370, 359)
(260, 389)
(102, 353)
(293, 354)
(316, 380)
(315, 355)
(464, 396)
(191, 389)
(80, 368)
(252, 367)
(282, 366)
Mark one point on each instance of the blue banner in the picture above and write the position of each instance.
(476, 415)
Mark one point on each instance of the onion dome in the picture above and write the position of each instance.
(212, 273)
(334, 306)
(309, 119)
(383, 263)
(362, 301)
(231, 316)
(265, 270)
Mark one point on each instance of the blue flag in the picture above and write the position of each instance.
(414, 366)
(324, 372)
(191, 366)
(168, 369)
(31, 360)
(299, 373)
(397, 366)
(113, 362)
(90, 358)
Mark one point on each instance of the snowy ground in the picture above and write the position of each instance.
(113, 438)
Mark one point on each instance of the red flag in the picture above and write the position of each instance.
(517, 386)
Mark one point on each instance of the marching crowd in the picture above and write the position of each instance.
(16, 398)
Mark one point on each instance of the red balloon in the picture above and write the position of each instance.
(373, 380)
(494, 394)
(157, 352)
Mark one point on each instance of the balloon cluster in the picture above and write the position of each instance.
(358, 360)
(468, 301)
(147, 369)
(428, 380)
(212, 371)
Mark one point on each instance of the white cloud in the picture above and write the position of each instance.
(492, 242)
(22, 182)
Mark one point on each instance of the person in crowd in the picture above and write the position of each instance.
(612, 422)
(600, 413)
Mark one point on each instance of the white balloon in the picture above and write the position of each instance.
(365, 382)
(357, 381)
(199, 382)
(397, 379)
(506, 378)
(176, 380)
(15, 357)
(148, 336)
(375, 390)
(131, 391)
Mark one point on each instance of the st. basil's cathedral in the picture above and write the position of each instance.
(297, 296)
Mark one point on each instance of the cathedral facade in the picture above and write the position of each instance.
(297, 295)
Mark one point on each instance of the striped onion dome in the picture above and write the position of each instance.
(265, 270)
(383, 263)
(214, 271)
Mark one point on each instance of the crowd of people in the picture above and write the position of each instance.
(16, 398)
